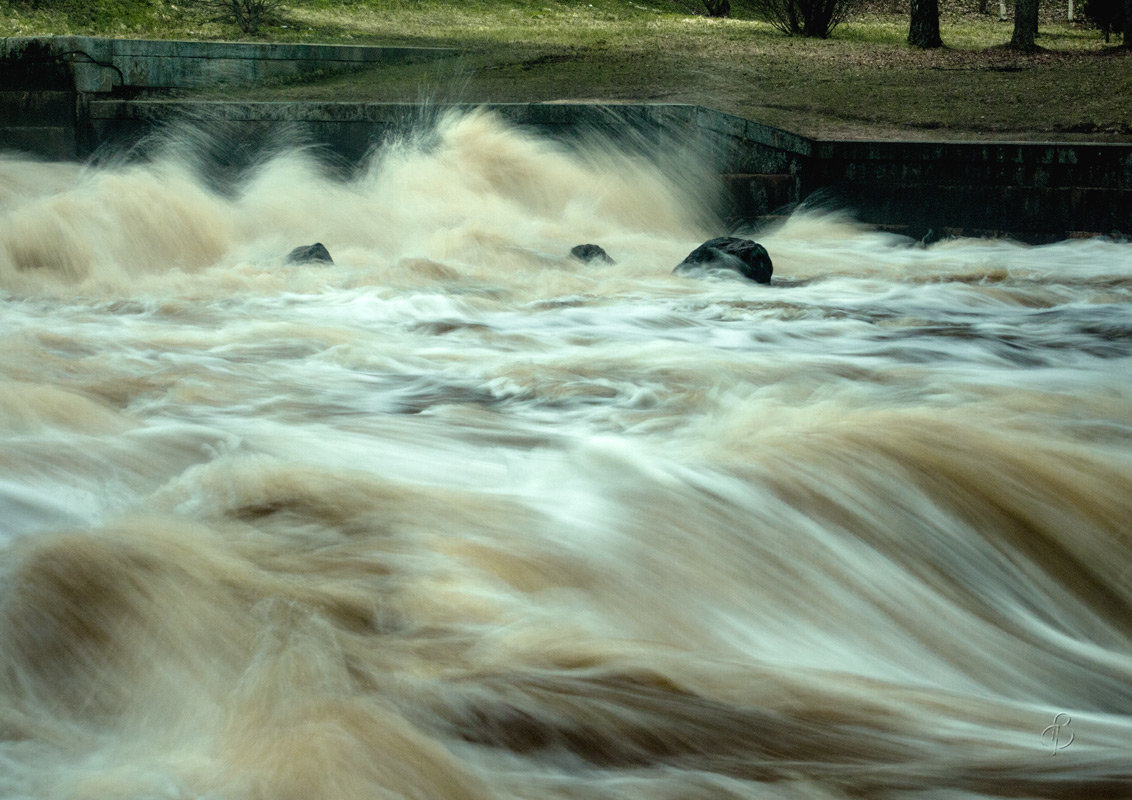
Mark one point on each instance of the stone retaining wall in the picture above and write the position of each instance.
(124, 66)
(47, 83)
(1036, 190)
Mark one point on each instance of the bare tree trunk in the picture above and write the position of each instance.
(1069, 15)
(1025, 25)
(1002, 10)
(923, 28)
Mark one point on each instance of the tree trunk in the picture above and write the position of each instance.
(1126, 28)
(923, 28)
(1025, 24)
(1002, 10)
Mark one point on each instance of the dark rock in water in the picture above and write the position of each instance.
(309, 253)
(745, 256)
(590, 252)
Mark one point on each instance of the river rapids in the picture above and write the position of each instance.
(459, 516)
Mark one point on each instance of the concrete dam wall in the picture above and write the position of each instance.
(74, 97)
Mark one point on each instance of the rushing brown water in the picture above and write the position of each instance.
(460, 517)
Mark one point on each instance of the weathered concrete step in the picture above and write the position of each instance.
(20, 108)
(54, 142)
(1062, 211)
(1031, 164)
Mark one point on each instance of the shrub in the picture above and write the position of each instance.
(816, 18)
(248, 15)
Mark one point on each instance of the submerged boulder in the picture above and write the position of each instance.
(590, 252)
(310, 253)
(745, 256)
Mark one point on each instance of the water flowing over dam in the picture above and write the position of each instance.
(460, 516)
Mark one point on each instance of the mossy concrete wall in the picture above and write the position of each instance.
(721, 141)
(105, 66)
(47, 83)
(1034, 189)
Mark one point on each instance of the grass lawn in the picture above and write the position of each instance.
(863, 82)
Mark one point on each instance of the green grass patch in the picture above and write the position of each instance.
(138, 18)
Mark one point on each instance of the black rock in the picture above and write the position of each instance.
(309, 253)
(590, 252)
(745, 256)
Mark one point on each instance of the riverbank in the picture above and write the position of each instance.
(863, 83)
